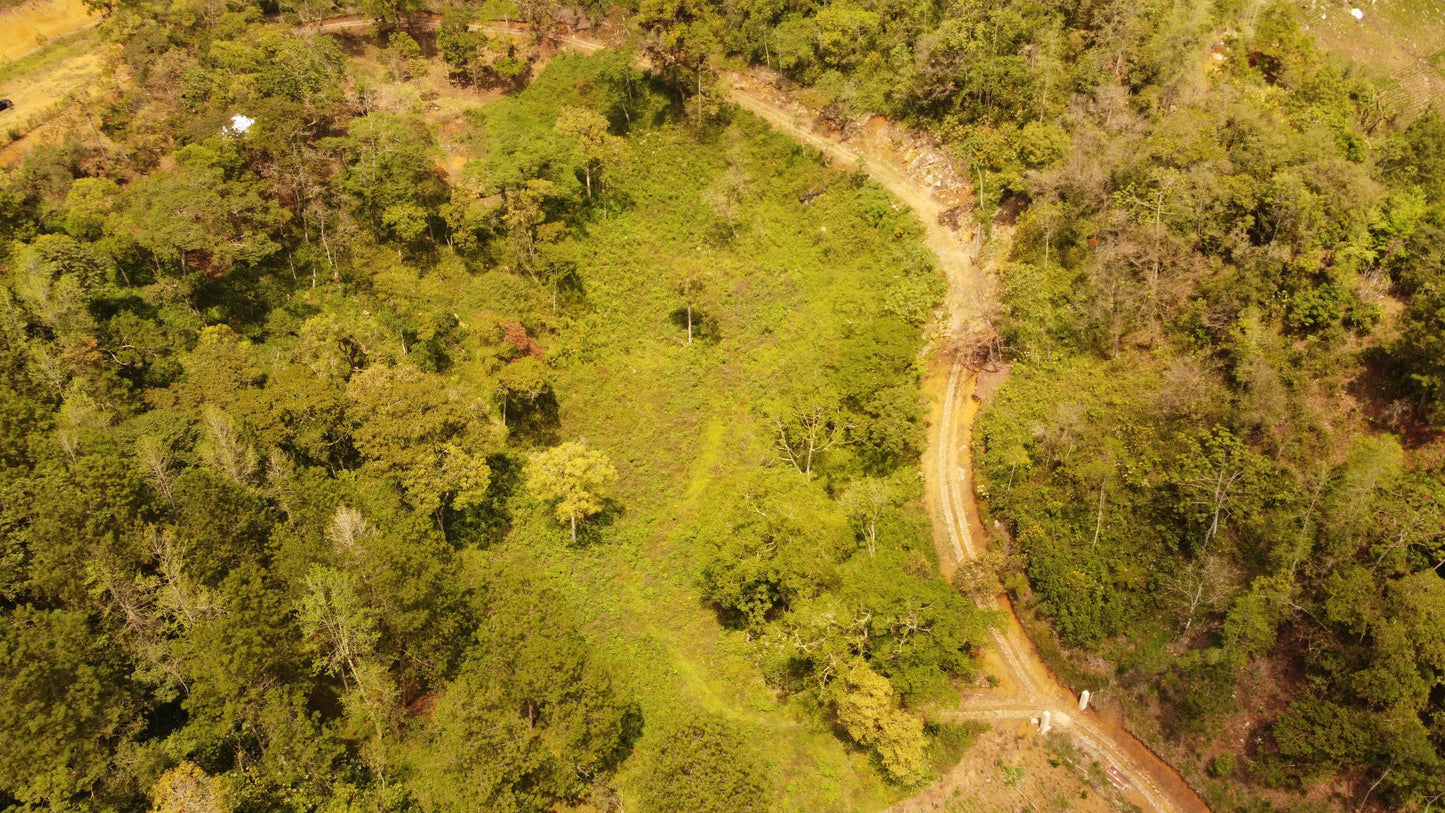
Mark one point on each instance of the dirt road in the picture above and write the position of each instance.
(1027, 688)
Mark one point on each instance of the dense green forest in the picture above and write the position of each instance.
(1217, 453)
(564, 454)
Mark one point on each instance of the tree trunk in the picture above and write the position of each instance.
(329, 261)
(1099, 519)
(689, 325)
(574, 529)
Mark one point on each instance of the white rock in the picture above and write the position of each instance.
(1357, 14)
(239, 125)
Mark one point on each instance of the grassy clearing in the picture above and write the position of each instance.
(679, 421)
(787, 287)
(26, 26)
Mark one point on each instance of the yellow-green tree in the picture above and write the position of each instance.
(574, 479)
(188, 789)
(866, 710)
(589, 129)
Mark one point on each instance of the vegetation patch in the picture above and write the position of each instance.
(503, 483)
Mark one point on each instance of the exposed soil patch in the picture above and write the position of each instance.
(1011, 768)
(428, 91)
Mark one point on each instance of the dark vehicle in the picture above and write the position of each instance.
(6, 104)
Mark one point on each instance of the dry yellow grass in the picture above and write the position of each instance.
(28, 26)
(44, 87)
(38, 90)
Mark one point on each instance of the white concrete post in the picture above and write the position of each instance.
(1084, 700)
(1044, 725)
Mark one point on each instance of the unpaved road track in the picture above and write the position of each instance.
(1029, 688)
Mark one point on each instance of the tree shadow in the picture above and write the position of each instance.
(490, 524)
(705, 326)
(535, 423)
(594, 529)
(1388, 400)
(633, 727)
(608, 202)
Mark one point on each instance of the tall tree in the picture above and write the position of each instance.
(707, 765)
(591, 133)
(866, 710)
(575, 479)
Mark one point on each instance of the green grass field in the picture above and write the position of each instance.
(787, 285)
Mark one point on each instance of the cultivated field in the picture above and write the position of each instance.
(1401, 39)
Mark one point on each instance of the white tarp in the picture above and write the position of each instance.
(239, 125)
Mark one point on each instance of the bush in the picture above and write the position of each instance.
(704, 765)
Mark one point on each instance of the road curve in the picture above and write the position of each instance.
(1029, 688)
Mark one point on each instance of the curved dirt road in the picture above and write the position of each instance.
(1027, 688)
